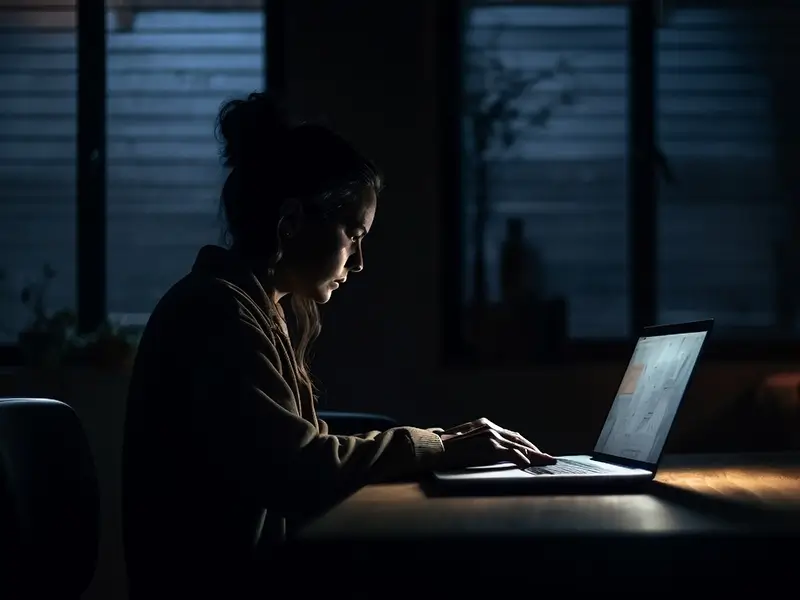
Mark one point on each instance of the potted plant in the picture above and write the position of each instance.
(52, 339)
(502, 104)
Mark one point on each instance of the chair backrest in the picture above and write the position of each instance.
(49, 501)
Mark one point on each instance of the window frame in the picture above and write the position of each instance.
(642, 198)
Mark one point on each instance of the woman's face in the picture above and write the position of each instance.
(319, 256)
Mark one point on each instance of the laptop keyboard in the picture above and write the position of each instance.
(566, 467)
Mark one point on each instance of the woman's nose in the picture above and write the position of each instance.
(357, 262)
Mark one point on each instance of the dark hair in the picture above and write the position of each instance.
(273, 160)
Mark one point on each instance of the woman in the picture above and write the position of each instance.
(222, 440)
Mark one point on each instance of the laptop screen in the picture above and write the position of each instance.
(649, 396)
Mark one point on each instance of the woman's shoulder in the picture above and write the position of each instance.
(211, 302)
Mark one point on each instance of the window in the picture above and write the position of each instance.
(38, 81)
(545, 147)
(551, 114)
(168, 71)
(729, 220)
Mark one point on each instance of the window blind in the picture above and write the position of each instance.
(170, 67)
(565, 177)
(38, 81)
(728, 126)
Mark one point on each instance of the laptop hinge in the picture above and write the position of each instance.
(622, 462)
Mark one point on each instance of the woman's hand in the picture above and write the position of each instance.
(481, 442)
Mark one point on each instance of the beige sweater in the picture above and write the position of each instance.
(222, 441)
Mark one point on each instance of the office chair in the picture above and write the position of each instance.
(49, 501)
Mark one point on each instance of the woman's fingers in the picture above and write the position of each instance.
(517, 438)
(513, 435)
(484, 424)
(503, 439)
(509, 444)
(534, 456)
(510, 454)
(518, 458)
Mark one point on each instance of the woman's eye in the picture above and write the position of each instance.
(357, 236)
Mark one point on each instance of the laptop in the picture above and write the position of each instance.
(630, 444)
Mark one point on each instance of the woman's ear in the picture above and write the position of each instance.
(291, 219)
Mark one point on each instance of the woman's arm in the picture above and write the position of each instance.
(248, 420)
(324, 428)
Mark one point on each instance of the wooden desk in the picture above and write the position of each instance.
(599, 531)
(753, 491)
(403, 511)
(769, 483)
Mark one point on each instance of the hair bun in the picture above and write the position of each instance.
(250, 130)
